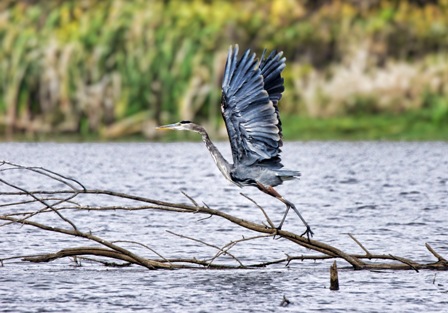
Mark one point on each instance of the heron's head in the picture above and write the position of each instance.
(183, 125)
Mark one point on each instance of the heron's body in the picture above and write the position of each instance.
(251, 90)
(242, 175)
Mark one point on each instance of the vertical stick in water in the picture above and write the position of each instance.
(334, 279)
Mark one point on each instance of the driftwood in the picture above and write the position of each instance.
(19, 206)
(334, 277)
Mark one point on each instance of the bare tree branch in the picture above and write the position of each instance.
(438, 256)
(359, 244)
(22, 205)
(209, 245)
(261, 208)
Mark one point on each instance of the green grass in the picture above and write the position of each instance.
(406, 126)
(377, 127)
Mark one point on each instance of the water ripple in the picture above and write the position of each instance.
(392, 196)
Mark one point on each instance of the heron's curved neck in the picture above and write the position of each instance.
(222, 163)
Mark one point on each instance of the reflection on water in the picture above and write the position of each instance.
(392, 196)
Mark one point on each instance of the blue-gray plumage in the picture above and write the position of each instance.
(251, 90)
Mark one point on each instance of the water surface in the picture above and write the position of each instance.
(392, 196)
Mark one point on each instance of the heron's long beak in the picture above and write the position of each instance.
(169, 126)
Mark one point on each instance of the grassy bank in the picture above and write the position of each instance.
(378, 127)
(403, 127)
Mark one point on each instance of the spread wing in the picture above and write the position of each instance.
(251, 90)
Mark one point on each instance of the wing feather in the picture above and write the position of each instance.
(251, 90)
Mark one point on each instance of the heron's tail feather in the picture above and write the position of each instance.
(288, 174)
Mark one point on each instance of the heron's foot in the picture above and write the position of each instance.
(279, 227)
(275, 233)
(309, 233)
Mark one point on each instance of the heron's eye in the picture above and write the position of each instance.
(185, 122)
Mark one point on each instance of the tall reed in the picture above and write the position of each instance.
(116, 67)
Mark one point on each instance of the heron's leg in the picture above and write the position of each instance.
(289, 205)
(272, 192)
(284, 216)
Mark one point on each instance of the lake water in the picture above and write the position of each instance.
(392, 196)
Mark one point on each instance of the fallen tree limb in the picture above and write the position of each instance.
(23, 205)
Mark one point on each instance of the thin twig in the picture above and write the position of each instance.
(209, 245)
(46, 172)
(261, 208)
(145, 246)
(49, 206)
(225, 249)
(190, 198)
(405, 261)
(438, 256)
(368, 254)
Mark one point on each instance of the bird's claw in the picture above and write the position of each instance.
(276, 232)
(309, 233)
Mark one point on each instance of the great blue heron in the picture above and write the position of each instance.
(251, 90)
